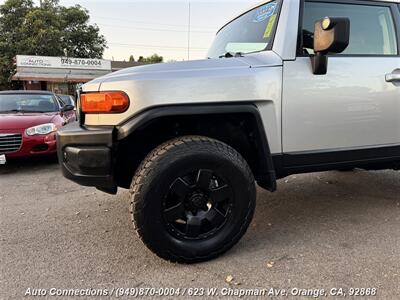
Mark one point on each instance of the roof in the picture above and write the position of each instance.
(56, 77)
(118, 65)
(17, 92)
(68, 75)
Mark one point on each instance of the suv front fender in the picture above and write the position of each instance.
(263, 167)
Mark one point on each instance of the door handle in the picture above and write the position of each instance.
(393, 77)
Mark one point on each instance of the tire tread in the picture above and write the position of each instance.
(149, 167)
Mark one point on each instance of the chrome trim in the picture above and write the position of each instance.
(10, 142)
(392, 77)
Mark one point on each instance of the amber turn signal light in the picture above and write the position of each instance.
(104, 102)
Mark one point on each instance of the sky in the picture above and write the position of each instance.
(141, 28)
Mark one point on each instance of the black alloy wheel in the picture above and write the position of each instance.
(197, 205)
(193, 198)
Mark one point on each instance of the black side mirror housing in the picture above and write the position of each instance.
(331, 35)
(67, 107)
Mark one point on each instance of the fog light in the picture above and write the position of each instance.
(40, 148)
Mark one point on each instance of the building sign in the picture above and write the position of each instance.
(63, 62)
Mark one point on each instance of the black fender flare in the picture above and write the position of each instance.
(267, 177)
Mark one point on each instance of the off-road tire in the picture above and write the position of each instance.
(154, 177)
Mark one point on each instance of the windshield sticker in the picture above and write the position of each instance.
(264, 12)
(270, 26)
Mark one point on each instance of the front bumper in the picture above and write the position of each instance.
(85, 155)
(31, 146)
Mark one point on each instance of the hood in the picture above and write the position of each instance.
(250, 78)
(265, 59)
(24, 120)
(192, 65)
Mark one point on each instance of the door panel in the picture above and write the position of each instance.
(351, 107)
(357, 103)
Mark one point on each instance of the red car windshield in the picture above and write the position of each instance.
(27, 103)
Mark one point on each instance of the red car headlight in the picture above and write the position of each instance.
(41, 129)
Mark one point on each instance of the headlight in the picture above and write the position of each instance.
(41, 129)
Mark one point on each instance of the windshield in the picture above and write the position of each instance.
(27, 103)
(66, 99)
(251, 32)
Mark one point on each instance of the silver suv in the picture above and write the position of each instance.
(290, 86)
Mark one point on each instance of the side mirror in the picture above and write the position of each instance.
(67, 107)
(331, 35)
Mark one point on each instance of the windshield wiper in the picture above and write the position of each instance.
(231, 54)
(21, 111)
(12, 110)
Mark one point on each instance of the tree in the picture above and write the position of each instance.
(12, 15)
(131, 58)
(49, 29)
(154, 59)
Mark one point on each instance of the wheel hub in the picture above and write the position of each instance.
(197, 201)
(197, 205)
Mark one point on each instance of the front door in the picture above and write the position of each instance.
(356, 104)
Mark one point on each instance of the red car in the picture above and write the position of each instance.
(29, 121)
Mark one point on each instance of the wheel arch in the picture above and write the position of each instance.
(238, 125)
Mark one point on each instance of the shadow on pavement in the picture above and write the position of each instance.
(329, 206)
(19, 165)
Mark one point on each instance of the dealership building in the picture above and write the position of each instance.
(62, 75)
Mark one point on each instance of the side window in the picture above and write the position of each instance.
(60, 102)
(372, 27)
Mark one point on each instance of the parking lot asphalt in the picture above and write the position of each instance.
(323, 230)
